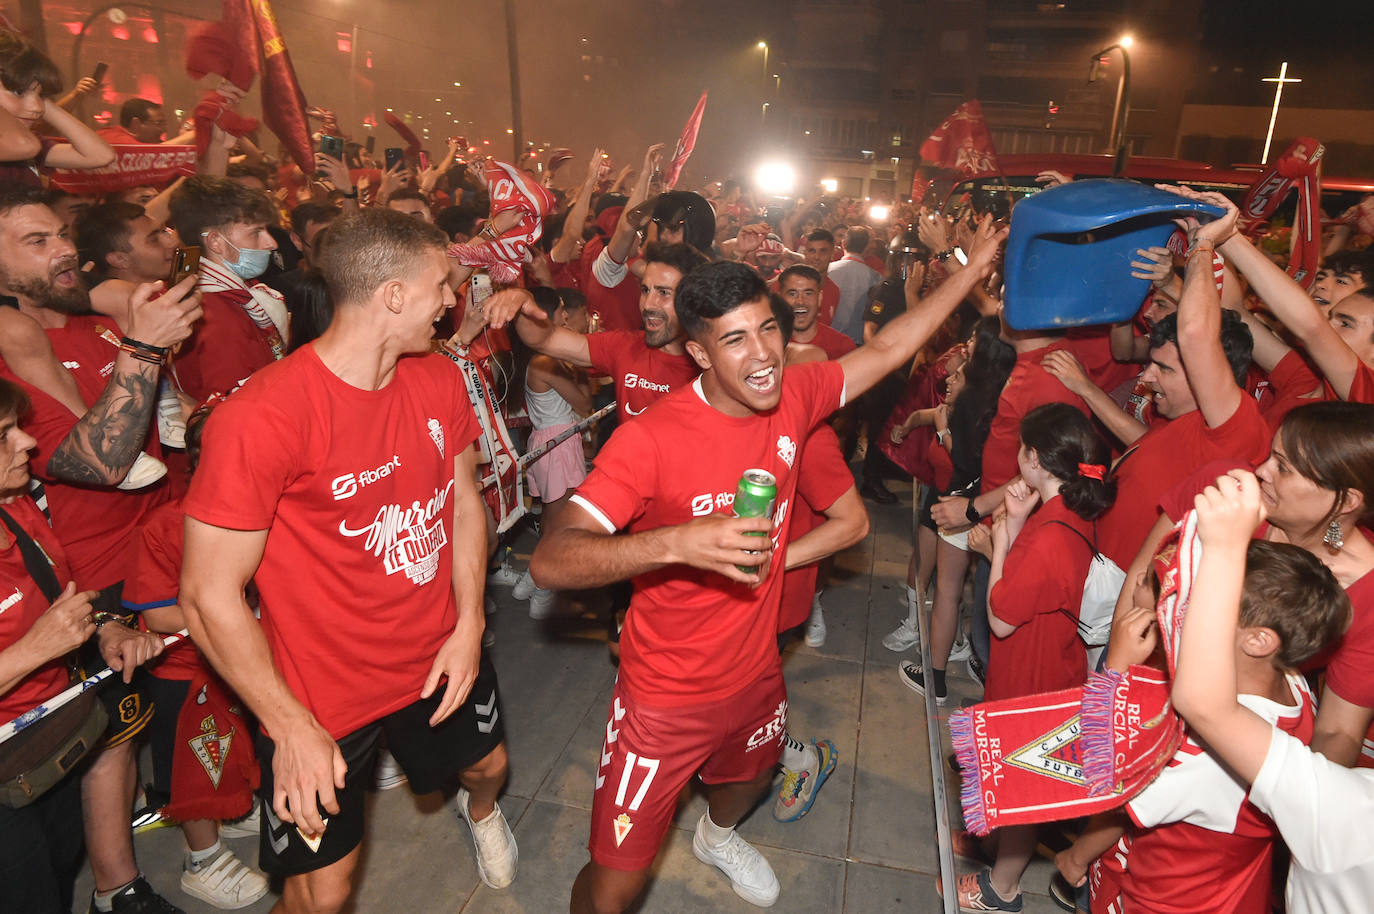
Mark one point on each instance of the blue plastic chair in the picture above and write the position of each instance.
(1068, 258)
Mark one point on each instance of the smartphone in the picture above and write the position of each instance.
(100, 69)
(332, 146)
(370, 145)
(185, 261)
(395, 155)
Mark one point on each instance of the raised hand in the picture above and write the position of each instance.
(1155, 264)
(167, 319)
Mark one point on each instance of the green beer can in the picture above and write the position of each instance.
(754, 497)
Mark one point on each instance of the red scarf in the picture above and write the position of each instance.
(214, 768)
(1080, 751)
(1300, 167)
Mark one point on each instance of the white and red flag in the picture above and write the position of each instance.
(685, 144)
(963, 143)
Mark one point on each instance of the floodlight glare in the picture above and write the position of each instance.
(830, 185)
(776, 179)
(877, 213)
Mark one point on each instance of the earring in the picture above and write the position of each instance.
(1333, 538)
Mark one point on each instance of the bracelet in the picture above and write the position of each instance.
(944, 255)
(1202, 244)
(152, 355)
(103, 617)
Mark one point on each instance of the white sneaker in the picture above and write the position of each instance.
(145, 471)
(904, 637)
(505, 575)
(524, 588)
(225, 882)
(250, 826)
(388, 773)
(171, 424)
(815, 626)
(542, 603)
(497, 854)
(750, 875)
(960, 650)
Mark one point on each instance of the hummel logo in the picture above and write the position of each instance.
(487, 713)
(278, 832)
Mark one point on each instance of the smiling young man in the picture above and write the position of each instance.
(700, 689)
(342, 482)
(800, 287)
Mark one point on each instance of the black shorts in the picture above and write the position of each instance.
(129, 706)
(431, 757)
(928, 499)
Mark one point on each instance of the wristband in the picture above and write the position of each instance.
(944, 255)
(102, 618)
(940, 436)
(1202, 244)
(144, 352)
(973, 514)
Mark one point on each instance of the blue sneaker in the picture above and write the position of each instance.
(799, 788)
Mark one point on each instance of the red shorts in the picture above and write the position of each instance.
(650, 753)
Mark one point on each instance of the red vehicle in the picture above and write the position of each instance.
(1017, 181)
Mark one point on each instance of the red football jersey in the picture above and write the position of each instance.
(1350, 674)
(1165, 456)
(154, 581)
(225, 348)
(832, 342)
(617, 307)
(822, 478)
(1028, 386)
(1199, 832)
(22, 602)
(1040, 592)
(691, 636)
(353, 487)
(94, 524)
(642, 375)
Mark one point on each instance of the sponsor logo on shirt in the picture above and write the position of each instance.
(771, 731)
(11, 600)
(707, 503)
(347, 485)
(787, 449)
(633, 380)
(73, 366)
(108, 369)
(436, 434)
(408, 539)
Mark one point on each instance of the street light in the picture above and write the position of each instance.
(763, 46)
(1121, 108)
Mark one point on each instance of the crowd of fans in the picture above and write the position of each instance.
(273, 447)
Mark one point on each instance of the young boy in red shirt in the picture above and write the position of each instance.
(1192, 839)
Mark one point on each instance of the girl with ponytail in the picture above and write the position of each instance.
(1039, 563)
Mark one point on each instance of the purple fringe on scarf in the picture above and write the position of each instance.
(971, 792)
(1095, 721)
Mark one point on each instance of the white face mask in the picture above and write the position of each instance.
(250, 262)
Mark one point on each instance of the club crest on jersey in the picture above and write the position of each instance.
(211, 748)
(1056, 754)
(622, 826)
(436, 434)
(787, 449)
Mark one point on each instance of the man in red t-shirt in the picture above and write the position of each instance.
(818, 252)
(82, 458)
(644, 365)
(342, 481)
(700, 689)
(245, 323)
(800, 285)
(1341, 346)
(609, 283)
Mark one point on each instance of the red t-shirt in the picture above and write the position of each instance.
(821, 479)
(1291, 381)
(1093, 349)
(618, 306)
(225, 348)
(93, 524)
(832, 342)
(1028, 386)
(830, 300)
(22, 602)
(1040, 592)
(1199, 834)
(1165, 456)
(154, 581)
(1350, 673)
(642, 375)
(353, 487)
(1361, 388)
(692, 637)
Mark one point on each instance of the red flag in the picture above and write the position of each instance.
(1299, 167)
(963, 143)
(685, 144)
(407, 135)
(283, 104)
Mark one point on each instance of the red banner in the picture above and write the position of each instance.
(138, 165)
(1299, 167)
(685, 144)
(963, 143)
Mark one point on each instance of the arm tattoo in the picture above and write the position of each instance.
(106, 441)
